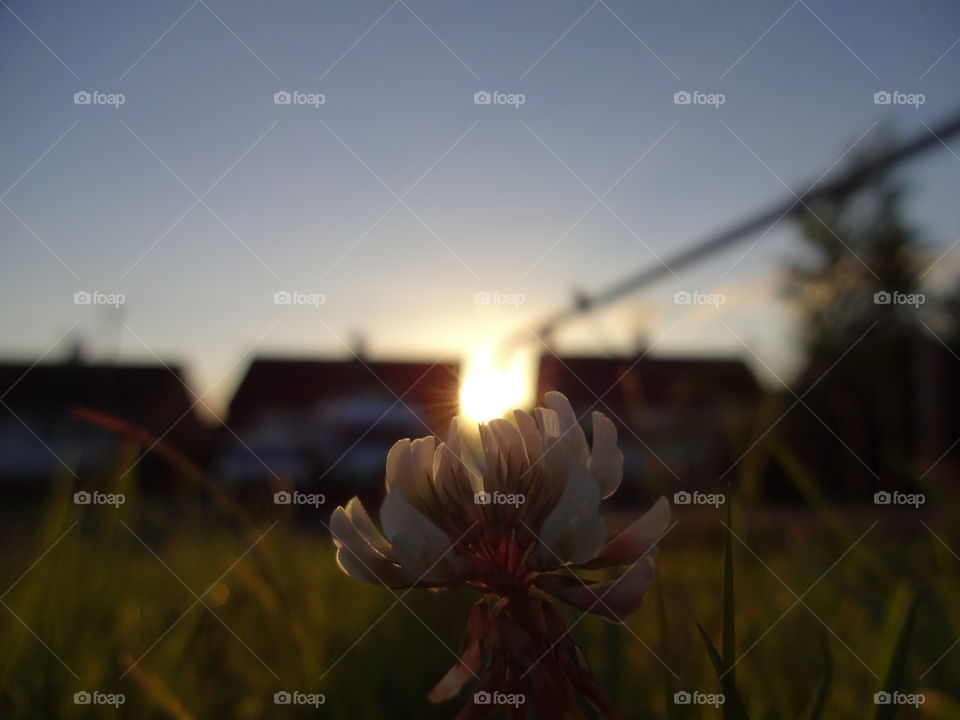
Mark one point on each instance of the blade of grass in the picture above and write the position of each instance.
(895, 677)
(732, 707)
(819, 699)
(729, 677)
(156, 689)
(673, 712)
(715, 658)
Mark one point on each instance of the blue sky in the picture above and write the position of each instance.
(318, 199)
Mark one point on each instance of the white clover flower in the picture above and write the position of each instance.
(514, 528)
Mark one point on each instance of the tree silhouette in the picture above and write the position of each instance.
(860, 336)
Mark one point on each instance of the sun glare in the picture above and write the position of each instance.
(491, 388)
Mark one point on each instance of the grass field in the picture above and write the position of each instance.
(191, 613)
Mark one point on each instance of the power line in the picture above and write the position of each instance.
(584, 304)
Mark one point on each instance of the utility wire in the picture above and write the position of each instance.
(584, 304)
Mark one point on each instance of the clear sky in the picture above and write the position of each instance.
(398, 198)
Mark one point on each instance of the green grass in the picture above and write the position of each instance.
(99, 600)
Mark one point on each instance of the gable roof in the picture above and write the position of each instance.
(626, 383)
(135, 392)
(291, 384)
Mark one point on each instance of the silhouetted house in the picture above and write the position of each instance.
(681, 421)
(323, 422)
(40, 434)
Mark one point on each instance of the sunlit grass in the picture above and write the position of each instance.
(101, 601)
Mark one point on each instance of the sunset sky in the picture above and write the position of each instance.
(398, 198)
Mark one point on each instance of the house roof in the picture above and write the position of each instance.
(153, 397)
(625, 383)
(286, 384)
(99, 385)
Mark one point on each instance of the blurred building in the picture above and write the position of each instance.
(39, 432)
(681, 421)
(329, 422)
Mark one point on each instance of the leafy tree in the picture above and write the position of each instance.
(860, 340)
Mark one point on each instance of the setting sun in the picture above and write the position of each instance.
(491, 388)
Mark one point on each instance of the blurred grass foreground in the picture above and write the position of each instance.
(192, 608)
